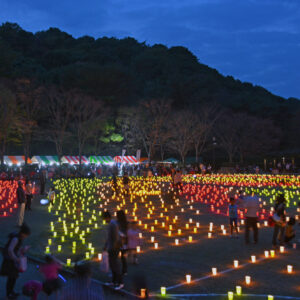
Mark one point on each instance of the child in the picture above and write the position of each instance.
(233, 215)
(32, 289)
(133, 241)
(50, 271)
(289, 231)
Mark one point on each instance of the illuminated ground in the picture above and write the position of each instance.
(168, 265)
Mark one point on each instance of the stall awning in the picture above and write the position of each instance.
(16, 160)
(74, 160)
(125, 159)
(45, 159)
(101, 159)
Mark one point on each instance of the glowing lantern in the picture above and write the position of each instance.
(69, 262)
(214, 271)
(59, 248)
(253, 258)
(236, 263)
(138, 249)
(152, 239)
(190, 239)
(99, 256)
(163, 291)
(270, 297)
(266, 254)
(272, 252)
(230, 295)
(209, 235)
(140, 235)
(281, 249)
(188, 278)
(197, 224)
(238, 290)
(143, 293)
(247, 280)
(169, 233)
(289, 268)
(176, 242)
(156, 245)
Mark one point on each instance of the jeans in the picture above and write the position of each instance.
(114, 264)
(251, 222)
(278, 230)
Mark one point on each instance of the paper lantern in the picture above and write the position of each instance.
(214, 271)
(289, 268)
(197, 224)
(230, 295)
(270, 297)
(238, 290)
(247, 280)
(294, 246)
(138, 249)
(68, 261)
(152, 239)
(163, 291)
(143, 293)
(266, 254)
(99, 256)
(253, 258)
(209, 235)
(272, 252)
(236, 263)
(140, 235)
(59, 248)
(176, 242)
(281, 249)
(156, 245)
(188, 278)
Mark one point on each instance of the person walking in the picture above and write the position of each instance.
(28, 193)
(123, 232)
(113, 246)
(12, 254)
(279, 219)
(251, 204)
(21, 197)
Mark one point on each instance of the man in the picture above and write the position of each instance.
(21, 202)
(28, 193)
(113, 246)
(251, 204)
(82, 287)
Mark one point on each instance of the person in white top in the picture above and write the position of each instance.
(251, 204)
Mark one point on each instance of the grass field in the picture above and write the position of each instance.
(153, 204)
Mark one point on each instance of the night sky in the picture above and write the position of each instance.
(253, 40)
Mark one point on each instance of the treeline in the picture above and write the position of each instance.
(119, 79)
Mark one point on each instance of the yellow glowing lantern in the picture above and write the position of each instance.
(163, 291)
(230, 295)
(238, 290)
(152, 228)
(59, 248)
(47, 249)
(272, 252)
(49, 241)
(270, 297)
(169, 233)
(190, 239)
(179, 231)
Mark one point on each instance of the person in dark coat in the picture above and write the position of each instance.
(11, 259)
(21, 197)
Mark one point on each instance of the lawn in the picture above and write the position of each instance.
(152, 204)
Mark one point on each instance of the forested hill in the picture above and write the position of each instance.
(124, 71)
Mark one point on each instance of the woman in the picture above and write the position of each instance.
(123, 228)
(12, 253)
(279, 218)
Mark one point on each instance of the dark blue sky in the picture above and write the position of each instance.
(254, 40)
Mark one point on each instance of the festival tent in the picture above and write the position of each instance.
(171, 160)
(101, 160)
(144, 160)
(45, 159)
(125, 159)
(16, 160)
(74, 160)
